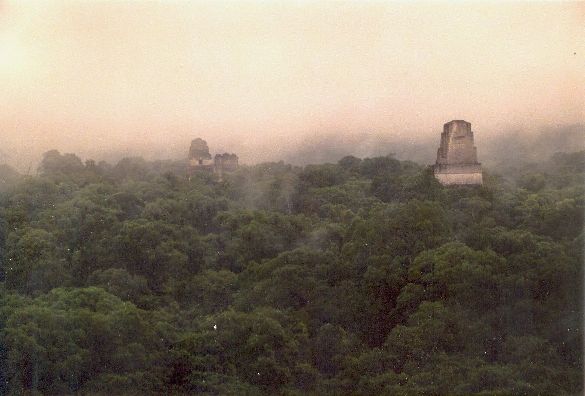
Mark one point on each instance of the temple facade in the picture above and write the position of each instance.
(226, 162)
(457, 156)
(200, 159)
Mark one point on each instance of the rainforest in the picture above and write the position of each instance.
(356, 277)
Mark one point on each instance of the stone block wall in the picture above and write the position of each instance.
(457, 156)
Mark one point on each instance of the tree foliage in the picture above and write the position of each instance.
(364, 277)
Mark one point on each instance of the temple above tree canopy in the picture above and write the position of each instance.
(199, 151)
(457, 156)
(200, 159)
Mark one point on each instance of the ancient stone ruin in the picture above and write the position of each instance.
(226, 162)
(457, 156)
(200, 159)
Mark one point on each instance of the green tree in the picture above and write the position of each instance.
(32, 264)
(72, 337)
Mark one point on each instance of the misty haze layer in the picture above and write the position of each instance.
(272, 81)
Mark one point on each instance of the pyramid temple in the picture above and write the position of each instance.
(199, 157)
(457, 156)
(201, 160)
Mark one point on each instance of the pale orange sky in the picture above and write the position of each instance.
(148, 77)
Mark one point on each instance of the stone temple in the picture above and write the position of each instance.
(457, 156)
(200, 159)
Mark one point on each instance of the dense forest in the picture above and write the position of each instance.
(361, 277)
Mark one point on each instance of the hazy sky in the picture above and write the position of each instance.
(137, 76)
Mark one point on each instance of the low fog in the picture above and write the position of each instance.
(299, 82)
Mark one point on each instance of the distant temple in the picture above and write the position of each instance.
(226, 162)
(200, 159)
(457, 156)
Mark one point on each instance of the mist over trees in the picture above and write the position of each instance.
(499, 151)
(362, 276)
